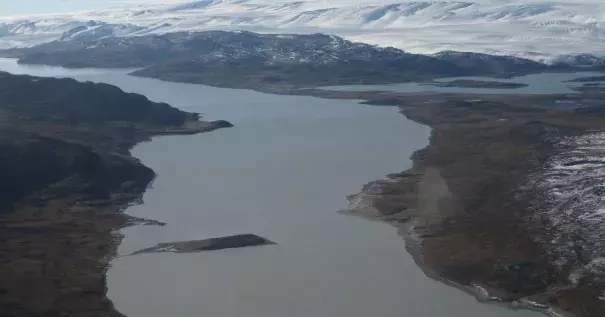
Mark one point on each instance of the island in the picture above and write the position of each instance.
(66, 176)
(465, 83)
(506, 200)
(212, 244)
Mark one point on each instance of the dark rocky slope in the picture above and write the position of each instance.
(66, 173)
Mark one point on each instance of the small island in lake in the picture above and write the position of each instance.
(212, 244)
(465, 83)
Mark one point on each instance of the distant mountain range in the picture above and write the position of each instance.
(542, 30)
(251, 60)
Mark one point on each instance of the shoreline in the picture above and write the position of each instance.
(69, 176)
(374, 202)
(362, 205)
(192, 128)
(413, 247)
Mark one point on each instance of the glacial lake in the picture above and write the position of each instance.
(282, 172)
(546, 83)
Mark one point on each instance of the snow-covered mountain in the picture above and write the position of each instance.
(536, 29)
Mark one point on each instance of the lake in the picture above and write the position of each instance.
(282, 172)
(546, 83)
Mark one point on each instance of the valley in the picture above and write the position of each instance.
(505, 202)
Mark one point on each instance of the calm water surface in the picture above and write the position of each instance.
(547, 83)
(283, 173)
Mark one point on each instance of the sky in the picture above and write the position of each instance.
(20, 7)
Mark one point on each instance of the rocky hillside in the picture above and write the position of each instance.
(65, 174)
(53, 129)
(73, 102)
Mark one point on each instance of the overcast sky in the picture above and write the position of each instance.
(19, 7)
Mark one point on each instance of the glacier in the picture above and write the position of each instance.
(540, 30)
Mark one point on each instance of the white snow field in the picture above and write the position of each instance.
(537, 29)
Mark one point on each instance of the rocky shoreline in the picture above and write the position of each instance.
(465, 209)
(362, 205)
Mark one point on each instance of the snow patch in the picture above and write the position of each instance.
(570, 203)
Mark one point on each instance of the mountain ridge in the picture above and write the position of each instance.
(242, 59)
(541, 30)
